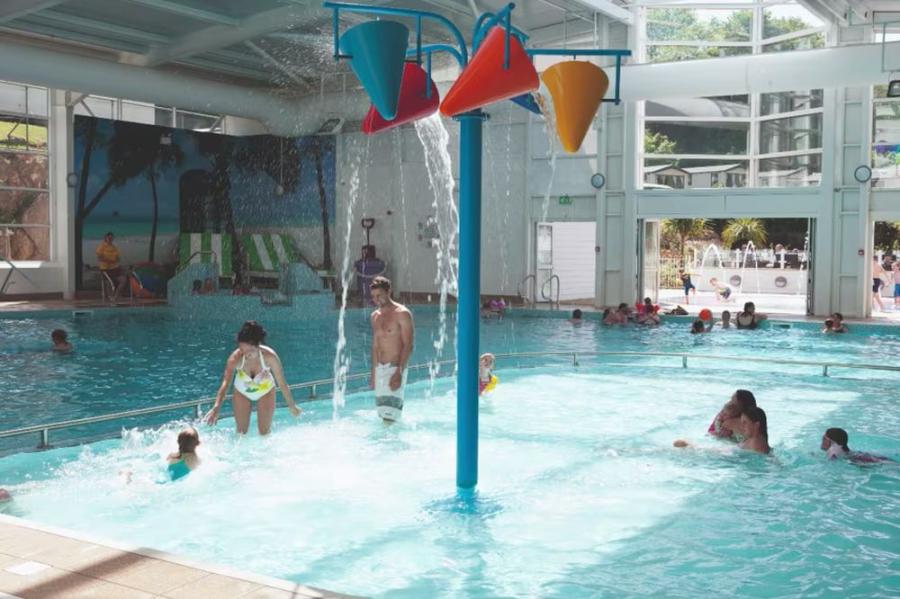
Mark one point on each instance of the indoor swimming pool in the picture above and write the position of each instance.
(581, 492)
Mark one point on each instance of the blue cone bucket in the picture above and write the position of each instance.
(378, 51)
(527, 102)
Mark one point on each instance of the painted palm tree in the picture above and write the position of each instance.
(744, 230)
(683, 229)
(137, 150)
(323, 202)
(220, 150)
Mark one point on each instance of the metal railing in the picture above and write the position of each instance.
(197, 404)
(549, 296)
(188, 262)
(43, 430)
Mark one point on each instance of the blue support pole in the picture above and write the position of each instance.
(469, 299)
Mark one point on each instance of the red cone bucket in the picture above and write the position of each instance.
(485, 81)
(412, 105)
(577, 89)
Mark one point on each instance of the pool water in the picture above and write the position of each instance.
(581, 493)
(133, 359)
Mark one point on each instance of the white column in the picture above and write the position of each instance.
(61, 195)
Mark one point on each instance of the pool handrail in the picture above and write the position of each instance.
(44, 429)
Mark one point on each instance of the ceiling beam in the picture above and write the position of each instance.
(281, 67)
(189, 11)
(609, 9)
(100, 26)
(13, 9)
(221, 36)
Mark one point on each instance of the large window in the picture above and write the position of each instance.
(24, 173)
(885, 139)
(755, 140)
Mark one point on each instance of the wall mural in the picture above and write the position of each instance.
(148, 185)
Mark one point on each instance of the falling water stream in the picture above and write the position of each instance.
(435, 142)
(341, 355)
(398, 148)
(545, 102)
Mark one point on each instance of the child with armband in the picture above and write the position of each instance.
(487, 380)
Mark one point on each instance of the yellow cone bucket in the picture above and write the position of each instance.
(577, 88)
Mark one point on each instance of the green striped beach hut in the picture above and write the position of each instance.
(265, 252)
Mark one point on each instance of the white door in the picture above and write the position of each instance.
(543, 264)
(573, 259)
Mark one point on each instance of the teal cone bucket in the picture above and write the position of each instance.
(377, 51)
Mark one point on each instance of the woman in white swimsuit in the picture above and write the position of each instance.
(256, 370)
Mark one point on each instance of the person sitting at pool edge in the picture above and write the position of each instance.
(60, 340)
(392, 344)
(487, 380)
(756, 430)
(255, 369)
(834, 443)
(749, 319)
(727, 423)
(183, 461)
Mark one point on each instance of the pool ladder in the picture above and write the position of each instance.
(547, 290)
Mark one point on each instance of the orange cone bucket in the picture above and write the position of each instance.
(577, 88)
(413, 104)
(485, 81)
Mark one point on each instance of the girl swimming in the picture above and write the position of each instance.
(183, 461)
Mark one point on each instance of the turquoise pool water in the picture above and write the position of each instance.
(133, 359)
(581, 493)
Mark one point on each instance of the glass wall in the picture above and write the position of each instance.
(24, 173)
(755, 140)
(885, 139)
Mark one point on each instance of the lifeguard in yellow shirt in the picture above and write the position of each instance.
(108, 262)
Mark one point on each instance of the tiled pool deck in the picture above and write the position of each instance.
(38, 562)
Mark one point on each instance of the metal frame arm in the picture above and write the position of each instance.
(337, 7)
(619, 54)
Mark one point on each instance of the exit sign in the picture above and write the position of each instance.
(565, 201)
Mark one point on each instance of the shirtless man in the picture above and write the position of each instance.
(878, 276)
(392, 341)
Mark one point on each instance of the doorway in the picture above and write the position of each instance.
(767, 261)
(564, 261)
(885, 253)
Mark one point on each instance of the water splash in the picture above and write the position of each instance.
(750, 247)
(398, 148)
(341, 354)
(435, 142)
(545, 103)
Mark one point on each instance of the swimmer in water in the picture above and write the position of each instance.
(487, 380)
(699, 327)
(185, 460)
(60, 341)
(756, 430)
(255, 371)
(392, 343)
(727, 423)
(834, 443)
